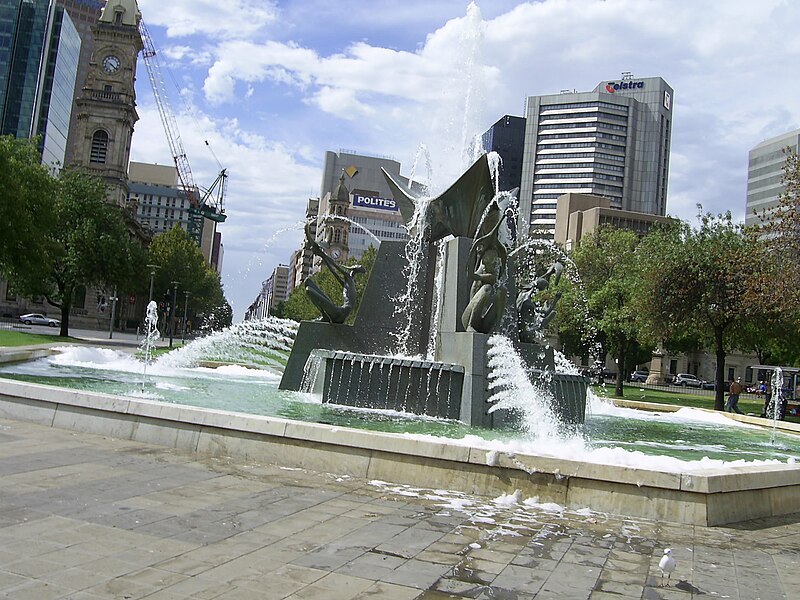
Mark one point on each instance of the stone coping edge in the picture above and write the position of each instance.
(693, 498)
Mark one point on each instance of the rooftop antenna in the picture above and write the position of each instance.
(627, 76)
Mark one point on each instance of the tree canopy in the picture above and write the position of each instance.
(83, 242)
(177, 259)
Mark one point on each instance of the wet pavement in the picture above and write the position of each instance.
(88, 517)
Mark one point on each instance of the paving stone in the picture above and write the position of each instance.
(87, 517)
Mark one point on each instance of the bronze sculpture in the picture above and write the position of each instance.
(486, 266)
(332, 312)
(532, 320)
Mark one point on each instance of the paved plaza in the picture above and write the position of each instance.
(88, 517)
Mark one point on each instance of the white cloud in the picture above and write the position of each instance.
(277, 105)
(221, 20)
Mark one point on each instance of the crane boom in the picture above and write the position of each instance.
(200, 205)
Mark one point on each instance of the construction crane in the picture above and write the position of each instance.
(207, 203)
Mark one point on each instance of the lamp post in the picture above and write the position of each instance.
(172, 312)
(185, 307)
(111, 320)
(152, 276)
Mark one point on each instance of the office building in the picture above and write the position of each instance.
(578, 215)
(39, 54)
(765, 175)
(273, 291)
(161, 204)
(370, 206)
(613, 141)
(507, 138)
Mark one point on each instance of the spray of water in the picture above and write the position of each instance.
(258, 343)
(415, 255)
(151, 336)
(527, 398)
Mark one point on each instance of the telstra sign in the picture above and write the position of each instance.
(613, 86)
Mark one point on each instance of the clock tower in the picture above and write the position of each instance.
(107, 105)
(334, 228)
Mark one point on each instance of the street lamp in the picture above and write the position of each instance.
(172, 312)
(152, 275)
(185, 307)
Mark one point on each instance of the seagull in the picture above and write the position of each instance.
(667, 565)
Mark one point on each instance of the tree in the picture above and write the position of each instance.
(775, 279)
(26, 191)
(693, 281)
(85, 243)
(179, 260)
(607, 263)
(299, 308)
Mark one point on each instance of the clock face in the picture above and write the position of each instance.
(111, 64)
(336, 253)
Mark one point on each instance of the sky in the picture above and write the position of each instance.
(264, 88)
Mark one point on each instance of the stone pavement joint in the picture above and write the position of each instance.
(87, 517)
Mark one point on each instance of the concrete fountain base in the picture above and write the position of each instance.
(694, 497)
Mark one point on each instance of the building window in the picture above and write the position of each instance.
(99, 147)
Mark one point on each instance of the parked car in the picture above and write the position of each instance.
(38, 319)
(710, 385)
(687, 379)
(640, 376)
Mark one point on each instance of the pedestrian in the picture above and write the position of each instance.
(767, 401)
(734, 390)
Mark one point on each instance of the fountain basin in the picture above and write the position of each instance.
(694, 496)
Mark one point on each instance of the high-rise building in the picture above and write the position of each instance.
(613, 141)
(765, 174)
(39, 52)
(507, 138)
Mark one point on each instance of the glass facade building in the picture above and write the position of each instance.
(39, 53)
(507, 138)
(613, 142)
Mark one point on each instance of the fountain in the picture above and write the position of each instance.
(429, 355)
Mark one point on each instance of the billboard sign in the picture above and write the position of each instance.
(615, 86)
(361, 201)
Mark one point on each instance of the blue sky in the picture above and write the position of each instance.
(273, 85)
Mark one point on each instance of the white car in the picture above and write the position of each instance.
(38, 319)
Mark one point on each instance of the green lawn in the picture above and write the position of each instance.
(683, 397)
(17, 338)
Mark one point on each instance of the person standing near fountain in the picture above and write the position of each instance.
(332, 312)
(733, 396)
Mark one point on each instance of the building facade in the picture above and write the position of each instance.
(161, 204)
(507, 138)
(273, 291)
(765, 175)
(372, 211)
(613, 141)
(106, 108)
(84, 15)
(581, 214)
(39, 55)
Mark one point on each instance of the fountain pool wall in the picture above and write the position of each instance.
(695, 496)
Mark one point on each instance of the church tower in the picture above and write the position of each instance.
(336, 229)
(107, 104)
